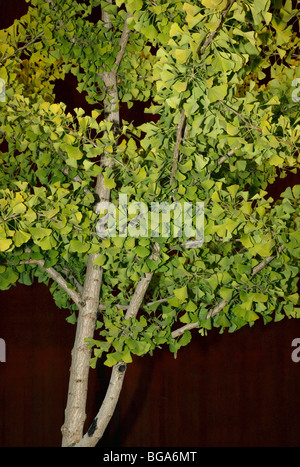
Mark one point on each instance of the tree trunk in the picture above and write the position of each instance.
(75, 413)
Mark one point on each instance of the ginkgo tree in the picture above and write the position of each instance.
(221, 78)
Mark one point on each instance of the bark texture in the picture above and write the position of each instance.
(75, 413)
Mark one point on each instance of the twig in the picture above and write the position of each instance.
(58, 278)
(240, 116)
(213, 33)
(24, 46)
(177, 145)
(181, 123)
(125, 307)
(224, 158)
(253, 127)
(266, 261)
(216, 310)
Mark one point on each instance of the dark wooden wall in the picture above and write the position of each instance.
(223, 390)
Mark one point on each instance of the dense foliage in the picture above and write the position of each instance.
(221, 79)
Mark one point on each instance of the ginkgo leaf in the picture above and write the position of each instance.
(181, 293)
(5, 244)
(21, 237)
(217, 93)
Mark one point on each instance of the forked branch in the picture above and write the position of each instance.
(106, 411)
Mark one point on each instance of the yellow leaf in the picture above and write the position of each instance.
(180, 86)
(190, 10)
(181, 55)
(276, 160)
(246, 241)
(231, 129)
(214, 4)
(175, 29)
(5, 243)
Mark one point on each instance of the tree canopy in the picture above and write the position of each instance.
(221, 78)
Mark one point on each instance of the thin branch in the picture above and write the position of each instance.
(125, 307)
(253, 127)
(177, 145)
(224, 158)
(58, 278)
(162, 300)
(181, 124)
(240, 116)
(187, 327)
(123, 43)
(73, 278)
(213, 33)
(13, 216)
(141, 289)
(24, 46)
(266, 261)
(216, 310)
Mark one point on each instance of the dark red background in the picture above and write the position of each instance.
(223, 390)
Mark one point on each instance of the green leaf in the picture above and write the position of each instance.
(260, 297)
(78, 246)
(73, 152)
(142, 252)
(5, 244)
(251, 316)
(181, 293)
(185, 339)
(200, 162)
(109, 183)
(21, 237)
(72, 318)
(217, 93)
(100, 260)
(226, 293)
(182, 55)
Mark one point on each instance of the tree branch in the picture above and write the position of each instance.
(58, 278)
(213, 33)
(253, 127)
(181, 123)
(103, 417)
(141, 289)
(177, 145)
(110, 401)
(123, 43)
(32, 41)
(216, 310)
(266, 261)
(78, 385)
